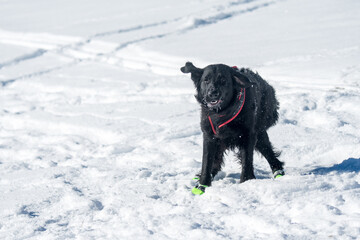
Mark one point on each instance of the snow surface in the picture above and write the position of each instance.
(99, 130)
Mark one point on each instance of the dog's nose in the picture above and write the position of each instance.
(213, 93)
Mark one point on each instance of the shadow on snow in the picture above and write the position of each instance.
(348, 165)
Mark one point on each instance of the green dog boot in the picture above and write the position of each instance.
(278, 173)
(199, 189)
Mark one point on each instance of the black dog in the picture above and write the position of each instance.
(237, 107)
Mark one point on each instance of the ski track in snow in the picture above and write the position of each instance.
(99, 140)
(81, 49)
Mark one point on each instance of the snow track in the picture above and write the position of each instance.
(99, 130)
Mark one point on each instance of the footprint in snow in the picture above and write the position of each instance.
(96, 205)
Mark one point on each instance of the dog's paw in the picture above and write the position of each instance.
(246, 177)
(199, 189)
(195, 181)
(278, 173)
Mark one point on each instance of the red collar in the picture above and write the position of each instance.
(218, 120)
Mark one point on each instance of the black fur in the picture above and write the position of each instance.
(217, 90)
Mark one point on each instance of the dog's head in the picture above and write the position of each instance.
(216, 84)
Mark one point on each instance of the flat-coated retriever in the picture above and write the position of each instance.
(237, 107)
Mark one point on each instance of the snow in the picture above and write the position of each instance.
(99, 129)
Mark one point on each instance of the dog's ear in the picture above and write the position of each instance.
(241, 79)
(196, 73)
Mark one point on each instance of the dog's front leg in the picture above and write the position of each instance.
(210, 148)
(246, 157)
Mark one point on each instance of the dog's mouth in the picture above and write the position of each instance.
(213, 103)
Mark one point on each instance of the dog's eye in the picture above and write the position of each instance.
(207, 79)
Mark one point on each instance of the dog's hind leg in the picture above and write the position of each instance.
(245, 155)
(264, 146)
